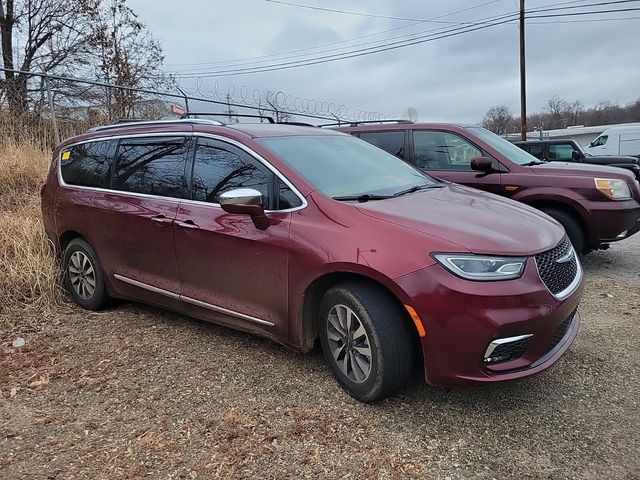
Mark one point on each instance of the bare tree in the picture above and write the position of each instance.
(556, 108)
(573, 111)
(75, 38)
(127, 54)
(42, 34)
(498, 119)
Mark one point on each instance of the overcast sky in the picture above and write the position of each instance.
(453, 79)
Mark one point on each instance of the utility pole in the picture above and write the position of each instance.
(523, 78)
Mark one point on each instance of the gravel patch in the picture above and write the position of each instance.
(137, 392)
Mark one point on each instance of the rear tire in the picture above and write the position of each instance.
(83, 275)
(571, 226)
(366, 340)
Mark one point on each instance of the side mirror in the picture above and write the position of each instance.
(482, 164)
(575, 155)
(245, 201)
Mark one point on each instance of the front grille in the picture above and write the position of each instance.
(557, 276)
(560, 332)
(509, 351)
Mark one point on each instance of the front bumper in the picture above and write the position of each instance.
(462, 318)
(612, 221)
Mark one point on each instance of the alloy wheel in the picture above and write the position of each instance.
(349, 343)
(82, 275)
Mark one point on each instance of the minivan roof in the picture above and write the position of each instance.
(254, 130)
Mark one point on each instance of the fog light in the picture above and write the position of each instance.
(508, 348)
(497, 358)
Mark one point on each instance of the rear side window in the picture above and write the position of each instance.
(87, 164)
(391, 142)
(152, 166)
(219, 167)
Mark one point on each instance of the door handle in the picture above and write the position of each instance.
(161, 219)
(187, 224)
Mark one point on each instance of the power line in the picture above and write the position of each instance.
(263, 58)
(557, 7)
(421, 38)
(615, 19)
(256, 64)
(571, 14)
(344, 12)
(356, 53)
(363, 14)
(473, 7)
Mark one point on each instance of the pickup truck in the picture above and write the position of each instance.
(566, 150)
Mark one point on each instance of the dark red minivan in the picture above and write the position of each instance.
(302, 234)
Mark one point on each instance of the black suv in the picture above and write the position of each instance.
(566, 150)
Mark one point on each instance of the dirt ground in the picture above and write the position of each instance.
(135, 392)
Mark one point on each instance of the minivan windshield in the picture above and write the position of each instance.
(342, 166)
(506, 148)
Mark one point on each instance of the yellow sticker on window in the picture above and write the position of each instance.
(66, 155)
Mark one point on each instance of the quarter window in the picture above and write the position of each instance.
(152, 166)
(443, 151)
(87, 164)
(391, 142)
(286, 197)
(220, 167)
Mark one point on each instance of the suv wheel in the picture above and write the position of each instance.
(571, 226)
(83, 275)
(365, 340)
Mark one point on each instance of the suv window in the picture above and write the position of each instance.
(87, 164)
(391, 142)
(535, 150)
(443, 151)
(219, 167)
(152, 166)
(561, 152)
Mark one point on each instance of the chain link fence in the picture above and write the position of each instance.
(43, 109)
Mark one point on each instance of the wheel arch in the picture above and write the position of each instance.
(542, 203)
(313, 293)
(65, 238)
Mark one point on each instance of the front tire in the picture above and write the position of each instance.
(366, 340)
(571, 226)
(83, 275)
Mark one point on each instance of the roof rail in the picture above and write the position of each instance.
(299, 124)
(366, 122)
(240, 115)
(142, 123)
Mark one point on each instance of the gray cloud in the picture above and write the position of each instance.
(455, 79)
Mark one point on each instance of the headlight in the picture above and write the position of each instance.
(613, 188)
(484, 268)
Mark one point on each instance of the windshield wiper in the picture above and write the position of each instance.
(364, 197)
(415, 188)
(532, 163)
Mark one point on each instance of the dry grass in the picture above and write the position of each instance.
(28, 278)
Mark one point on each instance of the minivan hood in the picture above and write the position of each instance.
(474, 220)
(581, 170)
